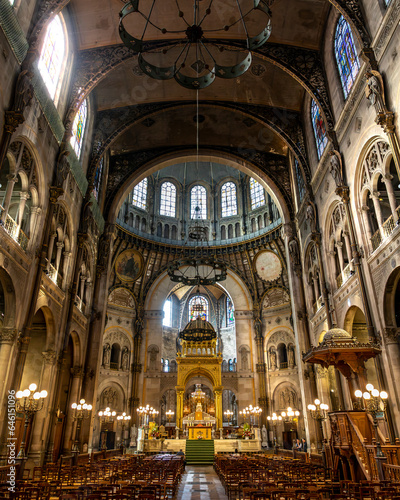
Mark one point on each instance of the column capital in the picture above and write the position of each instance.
(12, 120)
(55, 193)
(77, 371)
(49, 357)
(344, 193)
(12, 177)
(8, 335)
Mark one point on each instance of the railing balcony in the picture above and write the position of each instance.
(113, 366)
(80, 304)
(54, 275)
(16, 232)
(283, 366)
(317, 305)
(344, 276)
(383, 233)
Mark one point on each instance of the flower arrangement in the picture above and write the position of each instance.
(246, 431)
(200, 435)
(154, 432)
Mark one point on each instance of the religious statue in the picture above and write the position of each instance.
(153, 360)
(335, 169)
(125, 359)
(272, 356)
(109, 397)
(106, 355)
(373, 89)
(264, 434)
(294, 252)
(245, 361)
(290, 358)
(23, 91)
(310, 216)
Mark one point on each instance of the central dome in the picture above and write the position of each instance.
(198, 330)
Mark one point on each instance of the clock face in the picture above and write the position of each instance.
(268, 265)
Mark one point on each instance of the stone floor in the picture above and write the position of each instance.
(200, 482)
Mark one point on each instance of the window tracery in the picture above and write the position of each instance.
(257, 195)
(201, 309)
(52, 57)
(139, 196)
(198, 202)
(168, 199)
(346, 55)
(228, 199)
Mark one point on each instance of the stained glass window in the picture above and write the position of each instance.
(319, 128)
(168, 199)
(387, 2)
(12, 2)
(52, 57)
(78, 129)
(230, 312)
(167, 321)
(198, 306)
(139, 197)
(198, 202)
(346, 55)
(256, 194)
(300, 180)
(228, 199)
(166, 365)
(97, 179)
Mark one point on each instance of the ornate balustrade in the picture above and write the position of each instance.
(16, 232)
(344, 276)
(383, 233)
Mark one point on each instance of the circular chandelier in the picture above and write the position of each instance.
(191, 33)
(199, 271)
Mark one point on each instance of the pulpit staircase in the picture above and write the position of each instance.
(199, 451)
(352, 435)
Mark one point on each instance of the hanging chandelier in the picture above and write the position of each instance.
(194, 35)
(197, 271)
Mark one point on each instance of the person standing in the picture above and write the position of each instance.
(303, 445)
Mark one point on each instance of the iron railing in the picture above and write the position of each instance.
(16, 233)
(344, 276)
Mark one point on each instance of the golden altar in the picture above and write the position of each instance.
(200, 432)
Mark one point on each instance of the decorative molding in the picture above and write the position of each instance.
(49, 357)
(7, 335)
(390, 23)
(13, 31)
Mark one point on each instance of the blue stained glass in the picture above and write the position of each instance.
(198, 202)
(256, 194)
(300, 180)
(319, 128)
(230, 310)
(168, 199)
(198, 308)
(346, 55)
(139, 198)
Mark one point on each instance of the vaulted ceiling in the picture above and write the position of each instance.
(259, 111)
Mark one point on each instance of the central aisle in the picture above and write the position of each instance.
(201, 483)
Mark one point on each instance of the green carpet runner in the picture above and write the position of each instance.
(199, 451)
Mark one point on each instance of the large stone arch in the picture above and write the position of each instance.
(169, 159)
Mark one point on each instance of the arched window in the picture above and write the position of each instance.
(346, 55)
(97, 179)
(139, 197)
(78, 129)
(167, 321)
(198, 202)
(166, 366)
(257, 196)
(228, 199)
(198, 306)
(52, 57)
(319, 128)
(168, 199)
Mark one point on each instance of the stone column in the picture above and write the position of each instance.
(365, 210)
(41, 431)
(7, 338)
(339, 246)
(11, 180)
(35, 212)
(60, 246)
(392, 198)
(377, 206)
(24, 196)
(261, 366)
(218, 406)
(179, 406)
(73, 397)
(348, 248)
(50, 250)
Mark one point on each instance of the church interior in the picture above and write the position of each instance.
(199, 249)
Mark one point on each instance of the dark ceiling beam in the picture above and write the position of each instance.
(304, 65)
